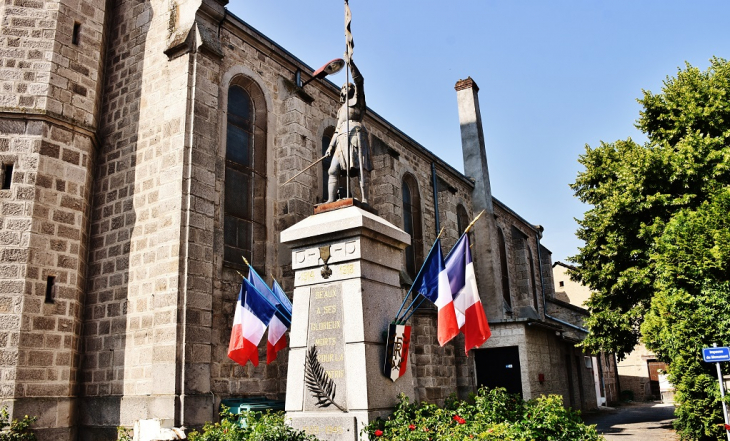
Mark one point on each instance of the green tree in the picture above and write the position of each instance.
(636, 189)
(691, 310)
(657, 238)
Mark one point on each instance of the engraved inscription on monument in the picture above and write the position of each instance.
(327, 334)
(331, 428)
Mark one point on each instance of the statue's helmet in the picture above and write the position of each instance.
(347, 91)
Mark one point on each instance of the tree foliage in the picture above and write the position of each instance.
(657, 238)
(635, 190)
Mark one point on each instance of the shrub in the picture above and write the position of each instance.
(16, 430)
(250, 426)
(492, 414)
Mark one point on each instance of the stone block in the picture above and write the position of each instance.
(327, 426)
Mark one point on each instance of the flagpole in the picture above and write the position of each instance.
(419, 273)
(466, 230)
(346, 106)
(414, 310)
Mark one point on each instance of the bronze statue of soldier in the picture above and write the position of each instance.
(350, 117)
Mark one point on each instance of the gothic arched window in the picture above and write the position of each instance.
(532, 278)
(412, 224)
(505, 274)
(245, 180)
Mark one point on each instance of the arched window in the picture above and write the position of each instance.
(245, 179)
(505, 274)
(533, 283)
(412, 224)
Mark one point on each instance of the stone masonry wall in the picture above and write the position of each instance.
(48, 108)
(45, 218)
(518, 238)
(43, 70)
(132, 344)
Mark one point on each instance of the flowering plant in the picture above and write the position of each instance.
(491, 414)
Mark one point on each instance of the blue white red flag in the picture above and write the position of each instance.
(432, 282)
(252, 316)
(276, 339)
(468, 306)
(282, 312)
(282, 297)
(281, 320)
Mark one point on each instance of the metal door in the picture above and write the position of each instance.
(499, 367)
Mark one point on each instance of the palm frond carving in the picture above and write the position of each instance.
(322, 387)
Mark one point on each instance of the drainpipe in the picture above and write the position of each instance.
(434, 182)
(542, 288)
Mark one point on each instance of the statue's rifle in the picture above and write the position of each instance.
(308, 167)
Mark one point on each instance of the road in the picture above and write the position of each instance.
(635, 421)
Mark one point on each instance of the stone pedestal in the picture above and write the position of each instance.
(344, 308)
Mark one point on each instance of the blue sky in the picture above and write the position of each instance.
(553, 76)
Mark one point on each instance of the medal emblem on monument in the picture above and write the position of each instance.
(324, 254)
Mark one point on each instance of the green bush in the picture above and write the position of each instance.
(492, 414)
(16, 430)
(250, 426)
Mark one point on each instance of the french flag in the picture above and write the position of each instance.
(469, 310)
(253, 314)
(432, 282)
(276, 339)
(282, 316)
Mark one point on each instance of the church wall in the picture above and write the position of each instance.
(131, 335)
(49, 104)
(43, 69)
(45, 216)
(518, 237)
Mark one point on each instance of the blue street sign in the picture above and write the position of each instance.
(716, 355)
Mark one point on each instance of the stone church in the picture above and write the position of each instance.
(144, 146)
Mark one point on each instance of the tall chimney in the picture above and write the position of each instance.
(486, 252)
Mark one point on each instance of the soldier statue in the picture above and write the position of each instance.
(350, 116)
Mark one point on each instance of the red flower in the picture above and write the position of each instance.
(459, 419)
(378, 432)
(411, 427)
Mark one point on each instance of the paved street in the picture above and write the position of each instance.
(636, 421)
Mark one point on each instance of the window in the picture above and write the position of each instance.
(505, 274)
(75, 34)
(562, 284)
(50, 289)
(462, 219)
(245, 178)
(7, 176)
(412, 224)
(533, 283)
